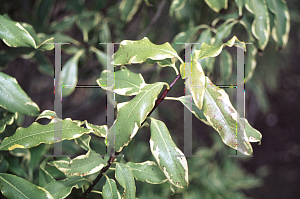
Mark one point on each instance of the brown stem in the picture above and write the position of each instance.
(111, 159)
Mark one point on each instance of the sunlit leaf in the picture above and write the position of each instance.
(125, 178)
(100, 131)
(147, 172)
(14, 99)
(132, 52)
(131, 114)
(82, 165)
(109, 190)
(15, 35)
(196, 81)
(126, 82)
(36, 134)
(15, 187)
(168, 156)
(62, 188)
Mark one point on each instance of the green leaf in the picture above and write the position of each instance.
(82, 165)
(44, 64)
(84, 142)
(196, 81)
(47, 114)
(126, 82)
(168, 156)
(176, 5)
(100, 55)
(62, 188)
(128, 8)
(3, 165)
(132, 52)
(125, 178)
(250, 63)
(261, 23)
(222, 116)
(131, 114)
(44, 177)
(281, 29)
(59, 37)
(63, 25)
(147, 172)
(258, 89)
(240, 4)
(252, 134)
(217, 5)
(16, 187)
(189, 103)
(104, 35)
(86, 21)
(185, 36)
(100, 131)
(69, 74)
(6, 118)
(15, 35)
(36, 134)
(225, 65)
(14, 99)
(223, 31)
(109, 190)
(213, 51)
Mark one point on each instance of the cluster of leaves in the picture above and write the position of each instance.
(207, 102)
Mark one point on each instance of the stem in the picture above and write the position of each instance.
(111, 159)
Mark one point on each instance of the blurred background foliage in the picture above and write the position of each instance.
(271, 95)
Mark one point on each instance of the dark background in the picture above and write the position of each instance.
(279, 153)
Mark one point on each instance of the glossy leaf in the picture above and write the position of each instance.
(132, 52)
(213, 51)
(86, 22)
(226, 64)
(14, 99)
(125, 178)
(252, 134)
(109, 190)
(222, 116)
(100, 131)
(131, 114)
(261, 24)
(147, 172)
(15, 187)
(82, 165)
(36, 134)
(168, 156)
(69, 74)
(217, 5)
(196, 81)
(62, 188)
(126, 82)
(15, 35)
(281, 29)
(240, 4)
(128, 8)
(189, 103)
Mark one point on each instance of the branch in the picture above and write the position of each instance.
(111, 159)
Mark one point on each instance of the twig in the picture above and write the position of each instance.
(111, 159)
(154, 19)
